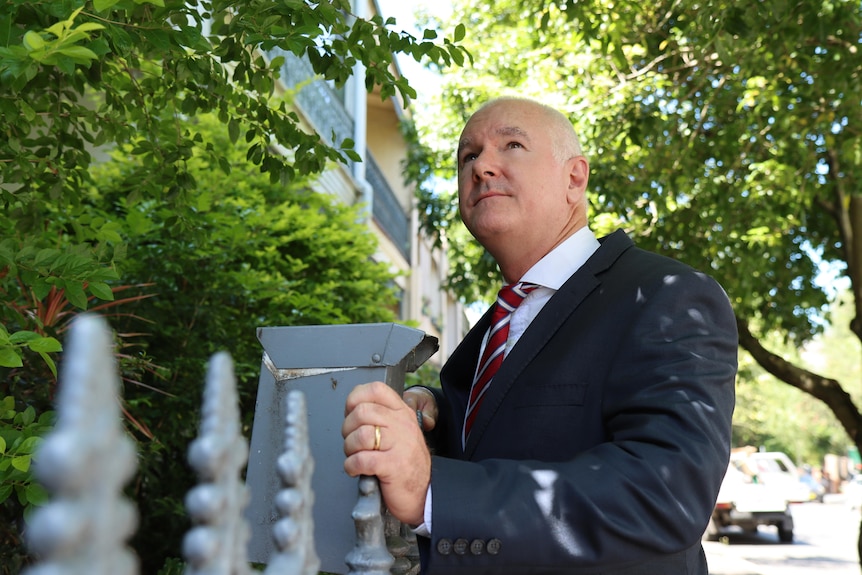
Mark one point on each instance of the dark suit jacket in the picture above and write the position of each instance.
(604, 437)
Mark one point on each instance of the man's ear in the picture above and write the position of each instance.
(579, 175)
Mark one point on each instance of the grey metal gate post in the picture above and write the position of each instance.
(325, 363)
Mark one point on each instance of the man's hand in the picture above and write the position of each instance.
(420, 399)
(375, 416)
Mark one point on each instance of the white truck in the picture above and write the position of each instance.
(757, 490)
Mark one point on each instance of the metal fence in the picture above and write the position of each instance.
(87, 459)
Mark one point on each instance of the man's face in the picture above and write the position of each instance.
(510, 186)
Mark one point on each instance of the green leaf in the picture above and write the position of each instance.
(460, 32)
(59, 28)
(160, 39)
(233, 130)
(101, 290)
(33, 41)
(45, 257)
(27, 111)
(21, 463)
(36, 494)
(29, 445)
(75, 294)
(28, 416)
(2, 445)
(50, 362)
(5, 492)
(23, 336)
(88, 27)
(5, 31)
(10, 357)
(224, 164)
(457, 56)
(78, 53)
(45, 344)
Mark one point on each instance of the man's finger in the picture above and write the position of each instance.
(374, 392)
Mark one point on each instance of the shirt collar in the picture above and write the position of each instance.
(559, 264)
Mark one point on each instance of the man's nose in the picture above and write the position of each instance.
(484, 166)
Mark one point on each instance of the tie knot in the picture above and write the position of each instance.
(510, 296)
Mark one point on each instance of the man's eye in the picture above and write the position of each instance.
(468, 158)
(515, 145)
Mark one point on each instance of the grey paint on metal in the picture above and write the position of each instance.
(337, 359)
(293, 533)
(353, 345)
(369, 556)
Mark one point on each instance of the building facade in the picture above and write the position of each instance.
(377, 184)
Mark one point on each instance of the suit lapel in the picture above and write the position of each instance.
(555, 313)
(457, 374)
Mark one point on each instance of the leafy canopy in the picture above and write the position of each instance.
(78, 78)
(219, 221)
(723, 134)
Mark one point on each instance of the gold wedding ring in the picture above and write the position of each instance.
(376, 438)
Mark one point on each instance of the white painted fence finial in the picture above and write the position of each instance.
(84, 463)
(295, 553)
(217, 542)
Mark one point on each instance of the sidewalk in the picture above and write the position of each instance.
(722, 564)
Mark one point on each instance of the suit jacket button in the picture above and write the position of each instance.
(460, 546)
(477, 547)
(444, 546)
(494, 546)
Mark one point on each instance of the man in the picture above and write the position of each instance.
(600, 443)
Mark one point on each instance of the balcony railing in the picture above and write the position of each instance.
(324, 108)
(386, 208)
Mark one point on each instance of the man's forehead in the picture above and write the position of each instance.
(468, 139)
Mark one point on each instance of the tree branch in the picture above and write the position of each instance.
(827, 390)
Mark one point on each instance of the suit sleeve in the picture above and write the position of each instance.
(645, 491)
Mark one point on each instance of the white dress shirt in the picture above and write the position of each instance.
(549, 273)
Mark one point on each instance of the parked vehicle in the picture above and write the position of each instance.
(775, 469)
(756, 491)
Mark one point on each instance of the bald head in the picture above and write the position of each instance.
(564, 140)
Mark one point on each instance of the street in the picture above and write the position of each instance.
(825, 536)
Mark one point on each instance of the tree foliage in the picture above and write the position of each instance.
(79, 77)
(265, 254)
(723, 134)
(212, 231)
(261, 254)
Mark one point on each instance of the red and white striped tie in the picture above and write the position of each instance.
(508, 298)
